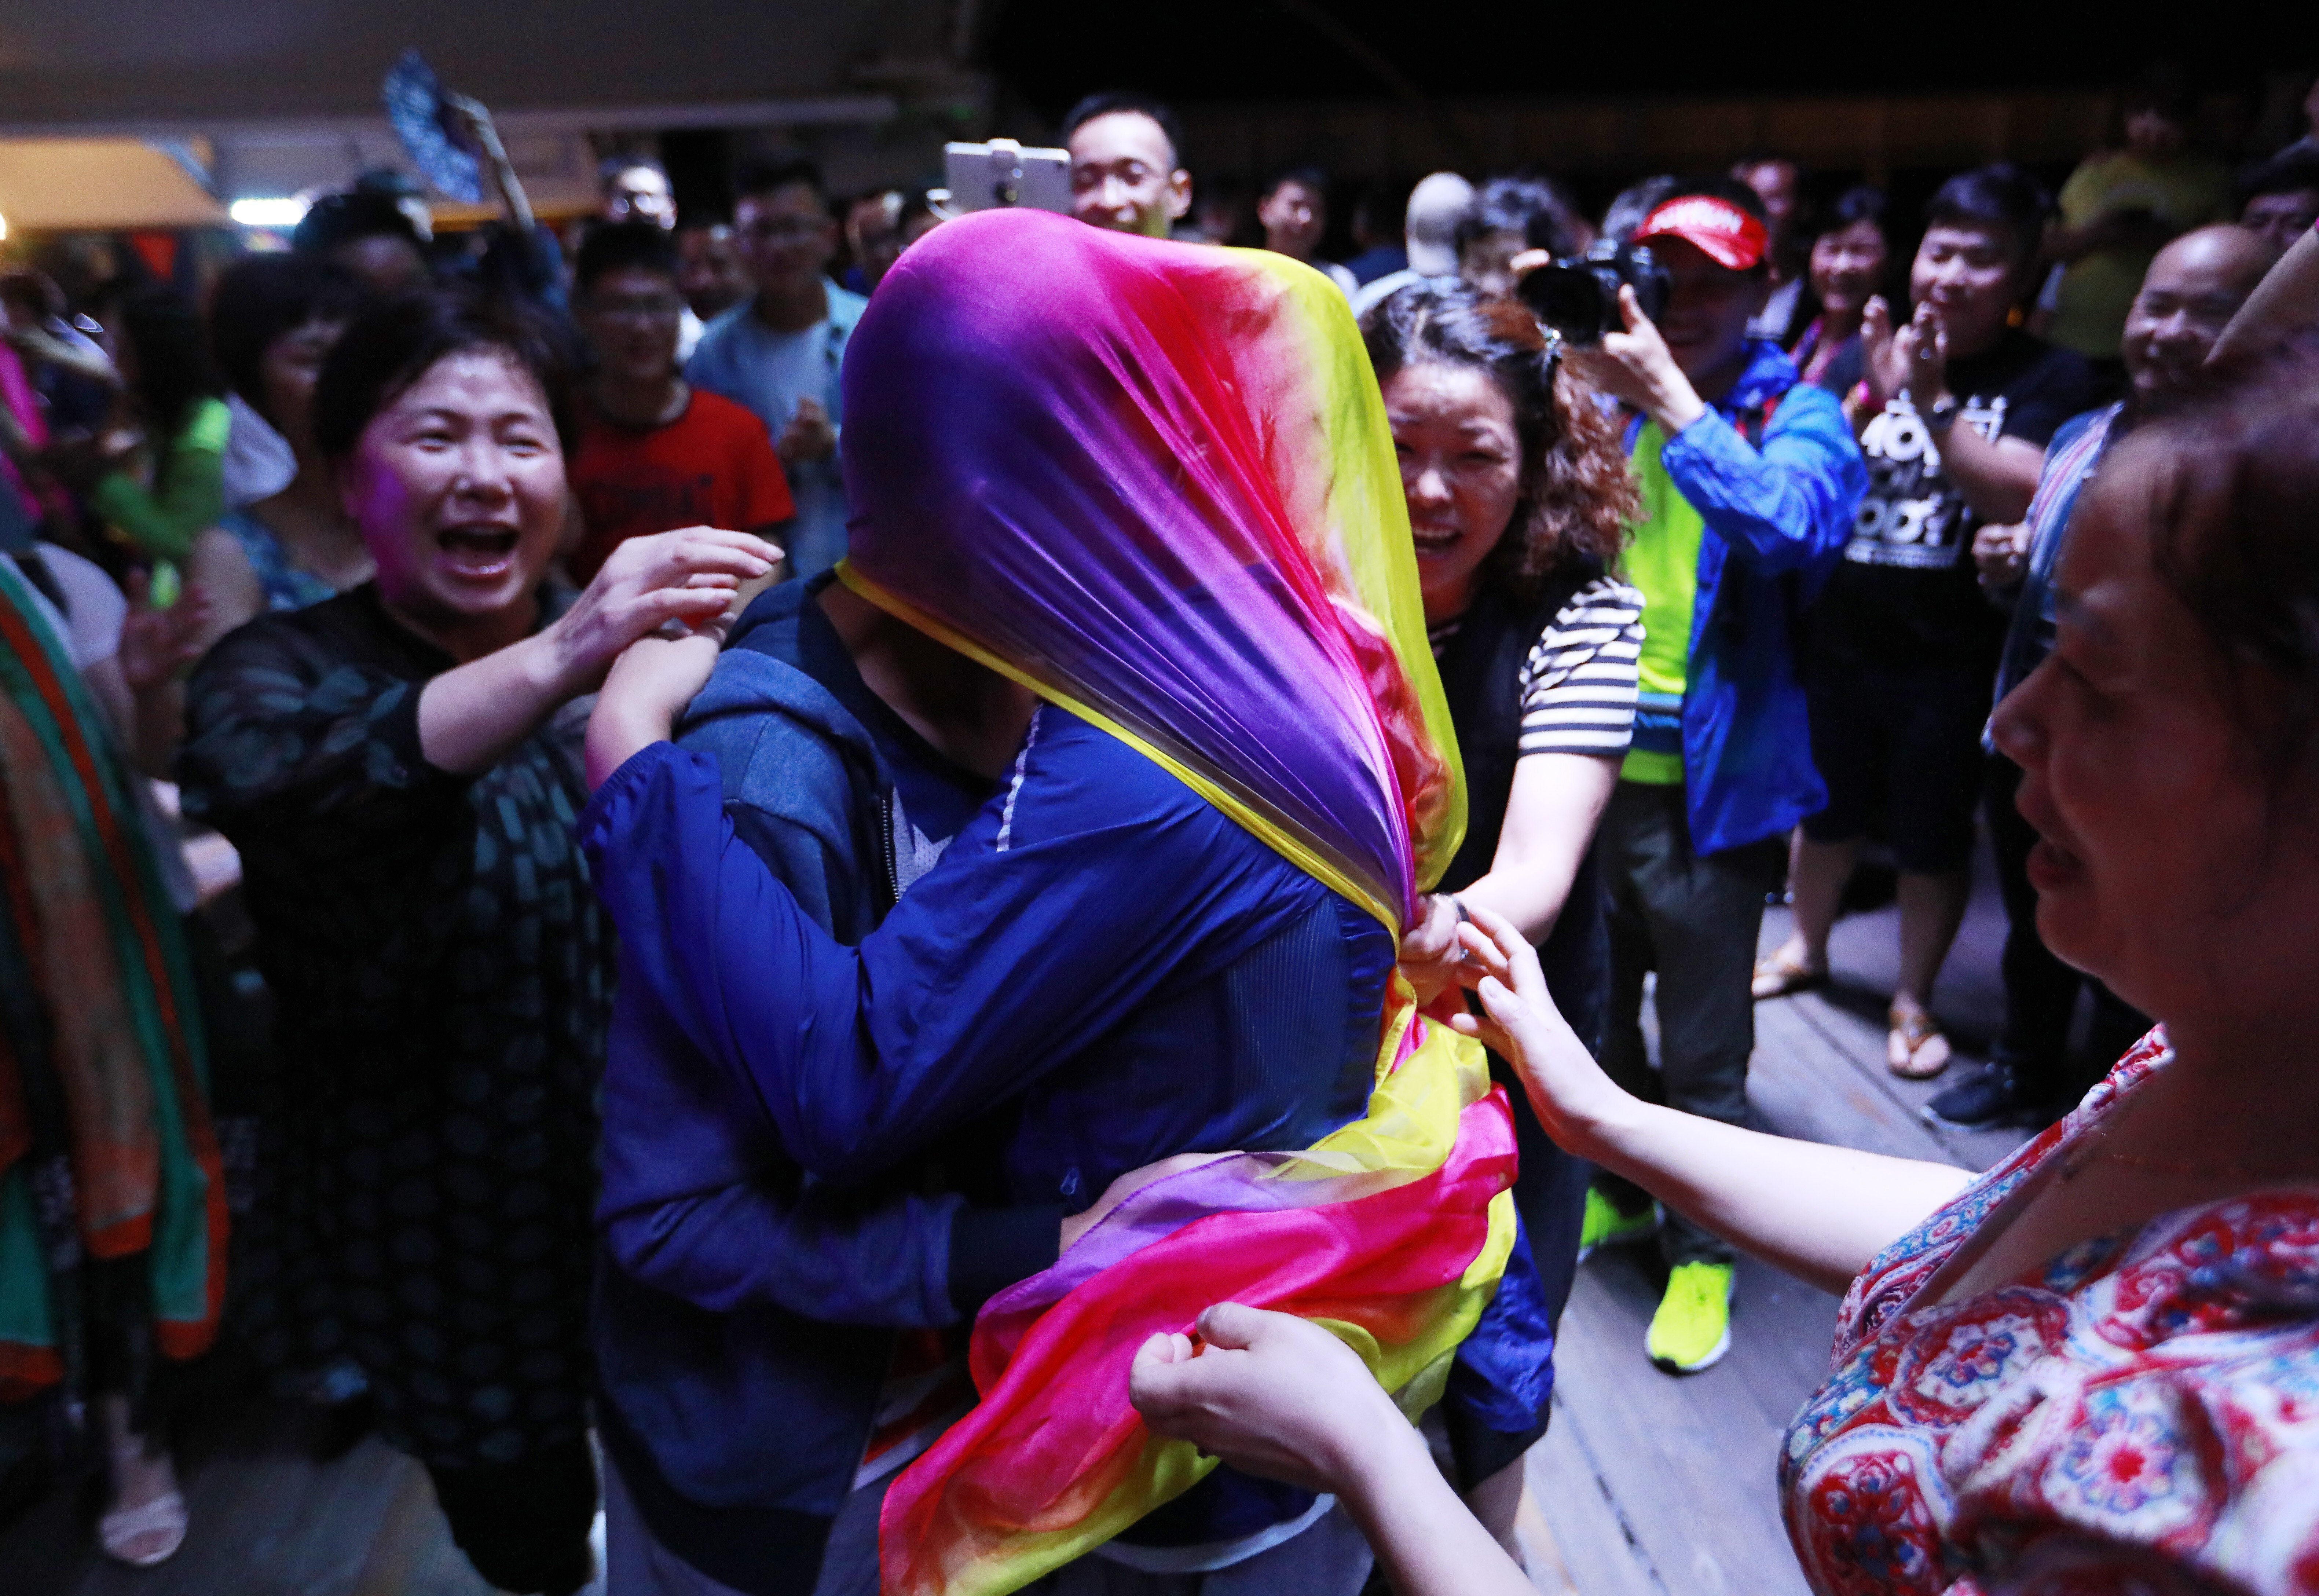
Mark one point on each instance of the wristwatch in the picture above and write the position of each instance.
(1940, 415)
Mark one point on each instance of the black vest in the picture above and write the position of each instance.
(1481, 674)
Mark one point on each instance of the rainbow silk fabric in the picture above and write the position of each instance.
(1153, 483)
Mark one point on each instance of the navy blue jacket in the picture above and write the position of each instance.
(1100, 950)
(736, 1387)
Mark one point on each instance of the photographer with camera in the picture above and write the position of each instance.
(1749, 478)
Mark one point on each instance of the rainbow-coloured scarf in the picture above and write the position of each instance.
(1154, 483)
(102, 1072)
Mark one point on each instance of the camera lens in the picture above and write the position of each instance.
(1569, 297)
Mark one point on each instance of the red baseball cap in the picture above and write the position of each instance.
(1731, 237)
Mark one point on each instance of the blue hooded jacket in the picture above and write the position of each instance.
(1102, 954)
(1777, 514)
(738, 1380)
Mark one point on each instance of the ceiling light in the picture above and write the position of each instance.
(267, 212)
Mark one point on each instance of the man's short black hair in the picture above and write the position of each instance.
(340, 219)
(1530, 206)
(2295, 172)
(626, 245)
(386, 180)
(1113, 101)
(759, 179)
(1307, 177)
(1999, 195)
(261, 297)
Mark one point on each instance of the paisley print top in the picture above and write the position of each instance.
(2140, 1414)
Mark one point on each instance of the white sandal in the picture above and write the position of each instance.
(164, 1515)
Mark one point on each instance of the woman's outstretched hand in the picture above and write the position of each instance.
(470, 717)
(688, 576)
(1272, 1394)
(1573, 1099)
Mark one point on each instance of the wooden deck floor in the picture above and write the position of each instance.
(1648, 1485)
(267, 1518)
(1644, 1486)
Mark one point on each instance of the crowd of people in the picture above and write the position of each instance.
(736, 893)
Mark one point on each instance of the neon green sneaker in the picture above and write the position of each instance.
(1692, 1330)
(1605, 1226)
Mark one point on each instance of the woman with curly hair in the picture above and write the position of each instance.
(1519, 501)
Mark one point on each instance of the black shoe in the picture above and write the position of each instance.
(1984, 1102)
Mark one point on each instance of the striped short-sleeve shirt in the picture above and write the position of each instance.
(1578, 683)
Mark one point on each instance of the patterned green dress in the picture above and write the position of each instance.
(441, 977)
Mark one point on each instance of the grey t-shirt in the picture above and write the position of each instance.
(742, 359)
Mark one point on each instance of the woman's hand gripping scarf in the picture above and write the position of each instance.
(1154, 483)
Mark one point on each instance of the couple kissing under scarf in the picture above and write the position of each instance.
(1153, 484)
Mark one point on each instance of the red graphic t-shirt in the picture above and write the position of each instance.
(712, 466)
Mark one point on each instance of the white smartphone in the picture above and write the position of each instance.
(986, 176)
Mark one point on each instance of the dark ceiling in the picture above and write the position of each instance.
(1051, 51)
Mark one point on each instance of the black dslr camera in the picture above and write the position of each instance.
(1579, 298)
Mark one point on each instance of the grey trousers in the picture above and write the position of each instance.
(1694, 920)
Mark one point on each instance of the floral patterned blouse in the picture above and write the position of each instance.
(2139, 1415)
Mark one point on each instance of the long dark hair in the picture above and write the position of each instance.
(380, 356)
(1578, 500)
(174, 370)
(263, 297)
